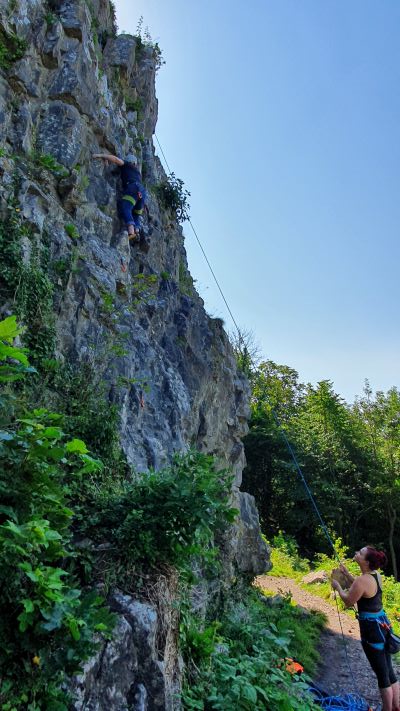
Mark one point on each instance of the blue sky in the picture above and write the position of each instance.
(282, 118)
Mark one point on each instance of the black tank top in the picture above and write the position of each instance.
(371, 604)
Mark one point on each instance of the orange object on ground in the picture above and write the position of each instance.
(293, 667)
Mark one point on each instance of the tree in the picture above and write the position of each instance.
(381, 422)
(270, 475)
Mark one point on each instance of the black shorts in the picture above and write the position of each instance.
(373, 643)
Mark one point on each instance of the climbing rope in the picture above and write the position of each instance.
(348, 702)
(350, 698)
(203, 252)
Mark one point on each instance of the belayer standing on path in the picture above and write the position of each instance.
(366, 591)
(131, 204)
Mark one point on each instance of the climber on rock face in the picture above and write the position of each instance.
(130, 206)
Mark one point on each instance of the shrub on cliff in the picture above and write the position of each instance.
(174, 197)
(47, 622)
(165, 516)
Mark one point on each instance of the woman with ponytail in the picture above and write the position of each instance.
(366, 591)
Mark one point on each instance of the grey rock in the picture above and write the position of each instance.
(75, 18)
(5, 96)
(317, 576)
(23, 137)
(24, 16)
(253, 554)
(120, 53)
(35, 205)
(51, 46)
(62, 133)
(69, 190)
(272, 600)
(96, 221)
(28, 73)
(75, 82)
(144, 81)
(140, 699)
(99, 191)
(109, 676)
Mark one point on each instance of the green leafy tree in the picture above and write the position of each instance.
(380, 418)
(327, 441)
(270, 475)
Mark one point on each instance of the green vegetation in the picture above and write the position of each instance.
(144, 287)
(12, 231)
(56, 619)
(12, 48)
(134, 104)
(27, 283)
(144, 41)
(84, 183)
(287, 563)
(35, 307)
(12, 6)
(71, 230)
(350, 455)
(166, 516)
(13, 361)
(47, 161)
(239, 662)
(63, 267)
(50, 18)
(174, 197)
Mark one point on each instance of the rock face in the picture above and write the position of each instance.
(319, 576)
(133, 310)
(127, 672)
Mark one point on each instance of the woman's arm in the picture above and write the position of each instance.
(112, 159)
(350, 597)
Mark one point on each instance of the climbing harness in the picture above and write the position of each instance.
(389, 640)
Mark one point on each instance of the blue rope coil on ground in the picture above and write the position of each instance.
(348, 702)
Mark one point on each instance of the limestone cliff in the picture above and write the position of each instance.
(70, 87)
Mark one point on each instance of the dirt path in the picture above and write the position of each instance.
(333, 674)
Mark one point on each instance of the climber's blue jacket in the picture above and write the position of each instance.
(131, 180)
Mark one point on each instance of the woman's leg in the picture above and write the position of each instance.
(396, 697)
(387, 699)
(381, 664)
(394, 682)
